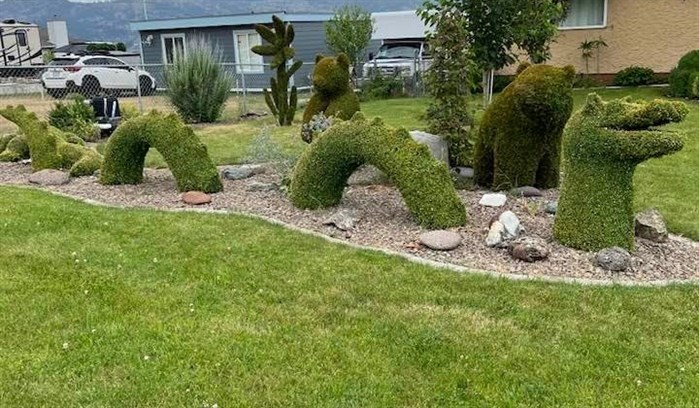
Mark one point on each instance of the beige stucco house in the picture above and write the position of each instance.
(650, 33)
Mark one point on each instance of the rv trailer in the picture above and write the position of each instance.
(20, 44)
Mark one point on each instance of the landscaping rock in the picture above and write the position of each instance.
(505, 228)
(441, 240)
(262, 187)
(493, 200)
(344, 220)
(49, 177)
(242, 172)
(526, 191)
(466, 172)
(551, 207)
(511, 223)
(613, 259)
(437, 145)
(196, 198)
(650, 225)
(529, 249)
(496, 235)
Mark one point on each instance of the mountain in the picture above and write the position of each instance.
(109, 20)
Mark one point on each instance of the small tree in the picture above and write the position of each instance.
(590, 48)
(282, 105)
(349, 32)
(197, 83)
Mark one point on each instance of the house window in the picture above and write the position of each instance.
(21, 38)
(173, 47)
(586, 14)
(247, 61)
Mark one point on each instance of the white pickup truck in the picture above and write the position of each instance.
(404, 56)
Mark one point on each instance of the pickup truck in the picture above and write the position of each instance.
(406, 57)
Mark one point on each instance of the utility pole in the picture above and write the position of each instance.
(145, 10)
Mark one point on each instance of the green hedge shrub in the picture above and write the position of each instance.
(13, 148)
(321, 174)
(684, 79)
(519, 139)
(634, 76)
(382, 86)
(75, 117)
(604, 143)
(51, 148)
(333, 94)
(182, 150)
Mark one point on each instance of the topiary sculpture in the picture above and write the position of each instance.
(321, 174)
(51, 148)
(519, 141)
(684, 79)
(182, 150)
(333, 94)
(13, 148)
(604, 143)
(282, 105)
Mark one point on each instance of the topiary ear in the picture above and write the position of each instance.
(594, 103)
(569, 71)
(319, 57)
(343, 60)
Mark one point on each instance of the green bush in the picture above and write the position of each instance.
(333, 94)
(382, 86)
(51, 148)
(182, 150)
(604, 143)
(519, 138)
(583, 81)
(321, 173)
(75, 117)
(634, 76)
(198, 84)
(684, 79)
(13, 148)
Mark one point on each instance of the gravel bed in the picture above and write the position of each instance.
(386, 223)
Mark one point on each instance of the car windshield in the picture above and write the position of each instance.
(64, 61)
(398, 51)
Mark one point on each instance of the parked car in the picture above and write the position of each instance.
(399, 56)
(94, 75)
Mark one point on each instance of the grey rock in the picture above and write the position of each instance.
(242, 172)
(551, 207)
(505, 228)
(49, 177)
(613, 259)
(367, 175)
(493, 200)
(441, 240)
(344, 220)
(650, 225)
(526, 191)
(257, 186)
(496, 235)
(437, 145)
(529, 249)
(466, 172)
(511, 223)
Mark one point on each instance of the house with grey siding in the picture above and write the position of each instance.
(234, 35)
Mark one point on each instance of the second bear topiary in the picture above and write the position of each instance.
(604, 143)
(333, 94)
(182, 150)
(519, 141)
(321, 173)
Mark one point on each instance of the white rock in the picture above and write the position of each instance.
(511, 223)
(437, 145)
(493, 200)
(496, 235)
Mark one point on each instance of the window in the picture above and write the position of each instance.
(586, 14)
(173, 47)
(248, 61)
(21, 38)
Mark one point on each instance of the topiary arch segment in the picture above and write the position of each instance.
(322, 172)
(184, 153)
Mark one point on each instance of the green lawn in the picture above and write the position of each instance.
(133, 308)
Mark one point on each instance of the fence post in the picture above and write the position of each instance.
(245, 89)
(138, 89)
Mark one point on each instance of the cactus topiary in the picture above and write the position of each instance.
(282, 105)
(603, 144)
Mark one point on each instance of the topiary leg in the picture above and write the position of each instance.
(549, 171)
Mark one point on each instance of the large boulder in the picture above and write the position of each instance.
(529, 249)
(441, 240)
(49, 177)
(613, 259)
(437, 145)
(650, 225)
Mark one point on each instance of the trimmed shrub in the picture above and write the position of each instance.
(382, 86)
(684, 79)
(634, 76)
(13, 148)
(50, 148)
(604, 143)
(333, 94)
(321, 174)
(182, 150)
(519, 139)
(198, 84)
(75, 117)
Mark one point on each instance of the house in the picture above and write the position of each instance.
(20, 44)
(234, 35)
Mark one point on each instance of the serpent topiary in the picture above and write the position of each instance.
(51, 148)
(13, 148)
(604, 143)
(184, 153)
(519, 141)
(321, 174)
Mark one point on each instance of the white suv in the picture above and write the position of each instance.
(94, 75)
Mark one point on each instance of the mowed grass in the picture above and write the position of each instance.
(134, 308)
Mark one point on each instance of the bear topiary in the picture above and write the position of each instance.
(51, 148)
(184, 153)
(13, 148)
(321, 174)
(333, 94)
(603, 144)
(519, 140)
(684, 79)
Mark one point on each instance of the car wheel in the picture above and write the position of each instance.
(91, 87)
(146, 85)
